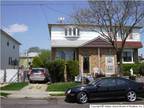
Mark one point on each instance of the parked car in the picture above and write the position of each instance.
(39, 75)
(107, 87)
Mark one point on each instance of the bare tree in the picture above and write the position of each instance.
(114, 18)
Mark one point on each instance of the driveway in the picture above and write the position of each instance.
(31, 91)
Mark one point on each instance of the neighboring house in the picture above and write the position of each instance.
(9, 51)
(78, 42)
(27, 58)
(141, 59)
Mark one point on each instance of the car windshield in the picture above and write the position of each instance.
(37, 70)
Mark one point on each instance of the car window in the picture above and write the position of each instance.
(121, 82)
(37, 70)
(94, 82)
(107, 82)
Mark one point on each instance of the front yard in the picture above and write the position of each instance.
(62, 86)
(14, 86)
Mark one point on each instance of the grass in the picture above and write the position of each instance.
(61, 86)
(58, 94)
(14, 86)
(4, 94)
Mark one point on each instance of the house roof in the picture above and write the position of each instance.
(100, 42)
(68, 24)
(2, 31)
(131, 44)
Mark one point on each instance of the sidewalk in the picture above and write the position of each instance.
(31, 91)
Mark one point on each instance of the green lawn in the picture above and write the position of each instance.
(61, 86)
(60, 94)
(4, 94)
(14, 86)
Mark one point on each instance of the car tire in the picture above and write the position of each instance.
(131, 96)
(82, 97)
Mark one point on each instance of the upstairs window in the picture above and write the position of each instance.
(130, 36)
(72, 32)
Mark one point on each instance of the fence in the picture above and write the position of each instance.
(9, 75)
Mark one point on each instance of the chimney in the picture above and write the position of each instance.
(61, 20)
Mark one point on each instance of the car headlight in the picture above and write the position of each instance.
(68, 91)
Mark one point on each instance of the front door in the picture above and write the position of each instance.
(86, 63)
(109, 65)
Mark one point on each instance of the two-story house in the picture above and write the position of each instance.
(78, 42)
(9, 51)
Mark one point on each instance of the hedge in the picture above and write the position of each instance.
(137, 68)
(72, 69)
(56, 70)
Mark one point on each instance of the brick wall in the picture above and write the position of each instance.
(94, 59)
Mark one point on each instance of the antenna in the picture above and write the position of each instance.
(61, 20)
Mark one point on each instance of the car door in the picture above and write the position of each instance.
(106, 88)
(122, 87)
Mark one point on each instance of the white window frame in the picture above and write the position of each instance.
(72, 34)
(131, 51)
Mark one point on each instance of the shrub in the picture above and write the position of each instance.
(72, 69)
(127, 67)
(56, 70)
(141, 69)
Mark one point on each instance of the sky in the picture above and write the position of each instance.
(27, 21)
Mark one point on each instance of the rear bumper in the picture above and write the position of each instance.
(37, 78)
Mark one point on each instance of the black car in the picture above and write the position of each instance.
(108, 87)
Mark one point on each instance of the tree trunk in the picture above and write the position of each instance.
(119, 63)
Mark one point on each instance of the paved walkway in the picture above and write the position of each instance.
(140, 79)
(31, 91)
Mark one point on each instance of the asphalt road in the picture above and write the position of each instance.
(57, 103)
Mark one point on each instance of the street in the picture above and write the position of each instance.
(56, 103)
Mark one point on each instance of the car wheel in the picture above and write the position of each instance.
(82, 97)
(131, 96)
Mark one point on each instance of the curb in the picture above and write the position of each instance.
(38, 98)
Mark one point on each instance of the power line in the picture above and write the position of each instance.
(32, 3)
(58, 11)
(45, 15)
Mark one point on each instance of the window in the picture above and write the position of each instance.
(7, 43)
(121, 82)
(65, 32)
(72, 32)
(10, 61)
(107, 82)
(130, 36)
(128, 56)
(66, 54)
(13, 46)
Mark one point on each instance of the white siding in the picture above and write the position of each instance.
(8, 51)
(58, 38)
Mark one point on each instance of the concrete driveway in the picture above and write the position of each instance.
(31, 91)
